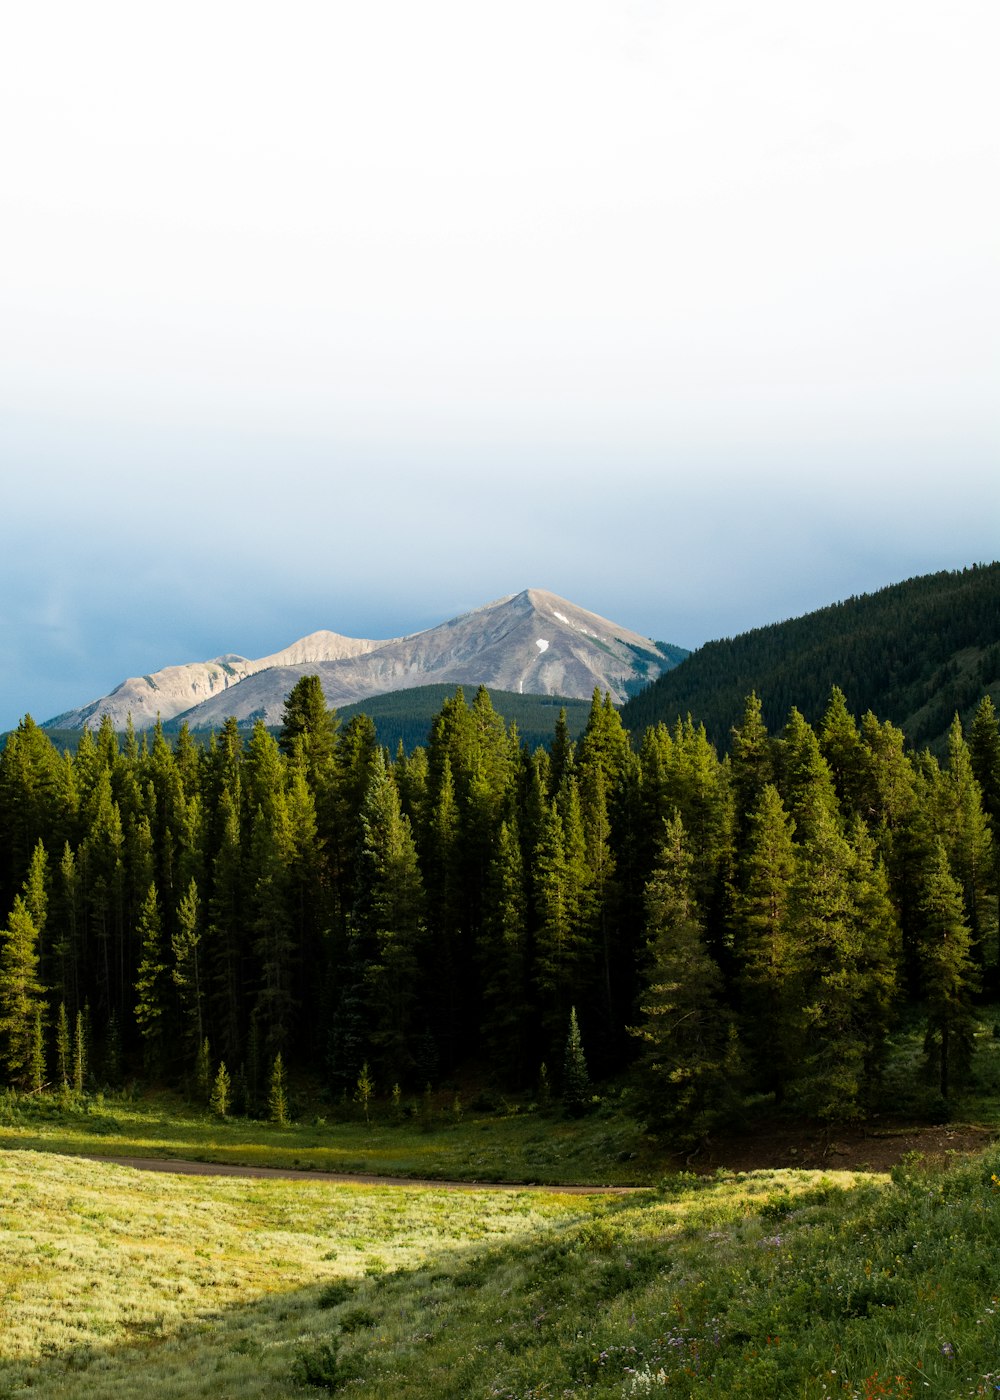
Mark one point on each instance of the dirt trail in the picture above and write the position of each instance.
(190, 1168)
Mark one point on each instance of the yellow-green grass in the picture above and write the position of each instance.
(115, 1283)
(518, 1147)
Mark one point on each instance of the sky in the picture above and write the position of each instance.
(358, 316)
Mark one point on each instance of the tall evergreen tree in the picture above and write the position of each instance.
(688, 1066)
(575, 1079)
(390, 920)
(949, 974)
(752, 762)
(187, 973)
(804, 777)
(563, 953)
(506, 1026)
(846, 939)
(152, 985)
(22, 997)
(765, 948)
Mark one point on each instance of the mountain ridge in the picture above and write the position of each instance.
(534, 642)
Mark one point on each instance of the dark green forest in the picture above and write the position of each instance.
(914, 653)
(723, 931)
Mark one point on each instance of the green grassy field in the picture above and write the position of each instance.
(606, 1147)
(117, 1283)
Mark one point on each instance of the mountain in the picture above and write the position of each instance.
(914, 653)
(177, 689)
(532, 642)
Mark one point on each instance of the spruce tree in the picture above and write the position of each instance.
(576, 1080)
(36, 1068)
(688, 1064)
(151, 985)
(277, 1094)
(752, 762)
(187, 975)
(844, 931)
(950, 977)
(846, 755)
(221, 1088)
(390, 924)
(63, 1047)
(22, 997)
(203, 1072)
(764, 946)
(804, 778)
(503, 963)
(80, 1053)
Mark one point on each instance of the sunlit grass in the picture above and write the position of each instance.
(605, 1148)
(788, 1283)
(96, 1258)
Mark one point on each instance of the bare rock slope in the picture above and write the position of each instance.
(533, 642)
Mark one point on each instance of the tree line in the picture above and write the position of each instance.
(726, 928)
(915, 652)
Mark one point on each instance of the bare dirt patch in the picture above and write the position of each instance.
(875, 1149)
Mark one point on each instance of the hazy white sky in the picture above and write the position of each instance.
(358, 315)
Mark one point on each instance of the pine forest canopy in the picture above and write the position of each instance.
(725, 928)
(914, 653)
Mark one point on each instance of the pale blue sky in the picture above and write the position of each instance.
(358, 316)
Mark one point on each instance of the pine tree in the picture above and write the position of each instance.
(949, 974)
(752, 762)
(226, 953)
(576, 1080)
(307, 724)
(805, 781)
(688, 1065)
(203, 1072)
(112, 1058)
(151, 985)
(36, 1066)
(390, 923)
(503, 954)
(363, 1091)
(562, 750)
(36, 898)
(965, 828)
(846, 941)
(221, 1088)
(560, 952)
(271, 856)
(63, 1047)
(846, 756)
(765, 949)
(32, 800)
(80, 1053)
(64, 942)
(186, 972)
(22, 997)
(277, 1094)
(984, 754)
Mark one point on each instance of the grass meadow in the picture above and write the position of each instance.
(118, 1283)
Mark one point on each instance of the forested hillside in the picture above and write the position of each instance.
(406, 716)
(913, 653)
(729, 928)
